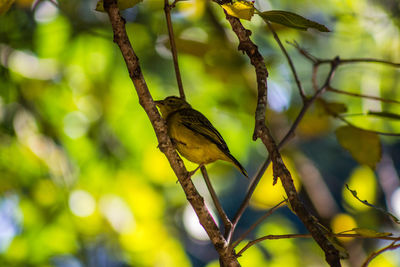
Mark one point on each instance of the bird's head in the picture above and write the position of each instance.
(171, 104)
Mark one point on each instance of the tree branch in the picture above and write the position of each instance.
(362, 60)
(261, 131)
(375, 254)
(275, 237)
(386, 100)
(167, 10)
(260, 220)
(145, 99)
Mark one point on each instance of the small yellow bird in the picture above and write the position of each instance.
(194, 136)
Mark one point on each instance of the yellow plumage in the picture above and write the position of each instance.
(194, 136)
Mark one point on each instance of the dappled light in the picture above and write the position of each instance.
(87, 178)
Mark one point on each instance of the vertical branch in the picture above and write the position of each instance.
(226, 254)
(261, 131)
(167, 10)
(256, 59)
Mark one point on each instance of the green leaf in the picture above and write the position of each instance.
(292, 20)
(122, 4)
(365, 147)
(5, 6)
(332, 108)
(354, 193)
(384, 114)
(370, 233)
(240, 9)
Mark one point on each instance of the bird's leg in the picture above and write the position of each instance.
(193, 172)
(190, 174)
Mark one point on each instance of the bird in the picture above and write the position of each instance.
(193, 135)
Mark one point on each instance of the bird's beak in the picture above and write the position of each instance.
(159, 102)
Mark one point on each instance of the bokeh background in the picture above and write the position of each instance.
(82, 182)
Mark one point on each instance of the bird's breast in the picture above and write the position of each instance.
(191, 145)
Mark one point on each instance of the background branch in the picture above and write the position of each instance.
(260, 220)
(386, 100)
(167, 10)
(275, 237)
(375, 254)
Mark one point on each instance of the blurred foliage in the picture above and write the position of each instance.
(82, 182)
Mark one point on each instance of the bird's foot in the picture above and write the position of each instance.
(191, 173)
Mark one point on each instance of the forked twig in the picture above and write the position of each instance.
(375, 254)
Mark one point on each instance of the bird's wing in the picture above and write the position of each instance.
(198, 123)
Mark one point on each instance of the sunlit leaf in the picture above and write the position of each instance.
(5, 6)
(365, 147)
(240, 9)
(370, 233)
(122, 4)
(292, 20)
(365, 202)
(384, 114)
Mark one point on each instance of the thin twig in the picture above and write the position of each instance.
(386, 100)
(275, 237)
(362, 60)
(217, 204)
(373, 255)
(296, 78)
(167, 10)
(304, 52)
(270, 237)
(254, 225)
(319, 61)
(365, 130)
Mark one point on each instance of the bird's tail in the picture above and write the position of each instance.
(237, 164)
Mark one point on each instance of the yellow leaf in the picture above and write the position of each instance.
(370, 233)
(5, 6)
(122, 4)
(240, 9)
(365, 147)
